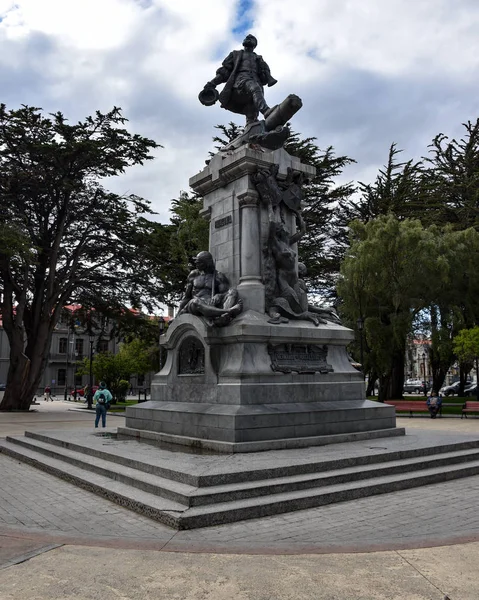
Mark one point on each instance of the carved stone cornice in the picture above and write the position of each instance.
(224, 169)
(205, 213)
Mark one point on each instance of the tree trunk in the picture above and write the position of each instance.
(373, 377)
(391, 385)
(438, 377)
(16, 395)
(397, 376)
(383, 387)
(26, 368)
(464, 370)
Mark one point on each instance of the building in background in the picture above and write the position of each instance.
(418, 364)
(70, 344)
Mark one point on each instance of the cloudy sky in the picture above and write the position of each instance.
(370, 72)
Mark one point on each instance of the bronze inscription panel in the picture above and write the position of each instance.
(299, 358)
(191, 357)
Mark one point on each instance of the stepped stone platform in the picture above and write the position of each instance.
(185, 489)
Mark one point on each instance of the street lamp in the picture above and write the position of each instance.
(91, 339)
(161, 330)
(66, 366)
(424, 372)
(360, 326)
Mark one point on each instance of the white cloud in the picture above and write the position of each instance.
(85, 24)
(369, 72)
(393, 38)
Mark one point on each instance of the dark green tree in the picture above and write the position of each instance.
(466, 347)
(451, 180)
(454, 304)
(133, 358)
(396, 190)
(449, 196)
(387, 277)
(176, 244)
(85, 244)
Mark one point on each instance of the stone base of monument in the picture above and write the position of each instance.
(193, 489)
(255, 386)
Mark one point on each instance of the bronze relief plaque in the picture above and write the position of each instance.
(191, 357)
(299, 358)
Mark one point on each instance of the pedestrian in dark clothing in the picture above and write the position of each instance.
(433, 405)
(102, 398)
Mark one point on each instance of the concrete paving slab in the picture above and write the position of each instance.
(14, 550)
(460, 578)
(323, 553)
(71, 572)
(57, 415)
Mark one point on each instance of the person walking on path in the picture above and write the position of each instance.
(102, 398)
(47, 394)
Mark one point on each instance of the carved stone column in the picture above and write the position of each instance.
(251, 287)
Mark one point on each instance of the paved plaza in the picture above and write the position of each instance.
(58, 541)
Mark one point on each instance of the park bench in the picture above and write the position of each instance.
(469, 406)
(411, 406)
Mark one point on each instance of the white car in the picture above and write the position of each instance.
(450, 390)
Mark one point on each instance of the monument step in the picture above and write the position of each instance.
(244, 490)
(193, 496)
(213, 505)
(147, 482)
(132, 454)
(152, 506)
(300, 500)
(116, 457)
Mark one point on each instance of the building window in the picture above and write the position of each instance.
(141, 380)
(61, 376)
(78, 381)
(62, 346)
(103, 345)
(79, 347)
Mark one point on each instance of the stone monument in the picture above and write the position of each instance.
(251, 363)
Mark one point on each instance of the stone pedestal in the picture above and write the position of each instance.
(253, 381)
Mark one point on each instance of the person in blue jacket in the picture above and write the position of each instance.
(102, 398)
(434, 404)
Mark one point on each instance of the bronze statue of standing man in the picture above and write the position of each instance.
(245, 73)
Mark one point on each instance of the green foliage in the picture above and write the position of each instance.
(137, 354)
(122, 389)
(14, 244)
(85, 244)
(229, 133)
(134, 357)
(466, 344)
(174, 245)
(396, 191)
(451, 181)
(386, 278)
(190, 232)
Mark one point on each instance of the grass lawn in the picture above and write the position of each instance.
(120, 406)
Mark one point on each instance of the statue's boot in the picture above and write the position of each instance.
(260, 102)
